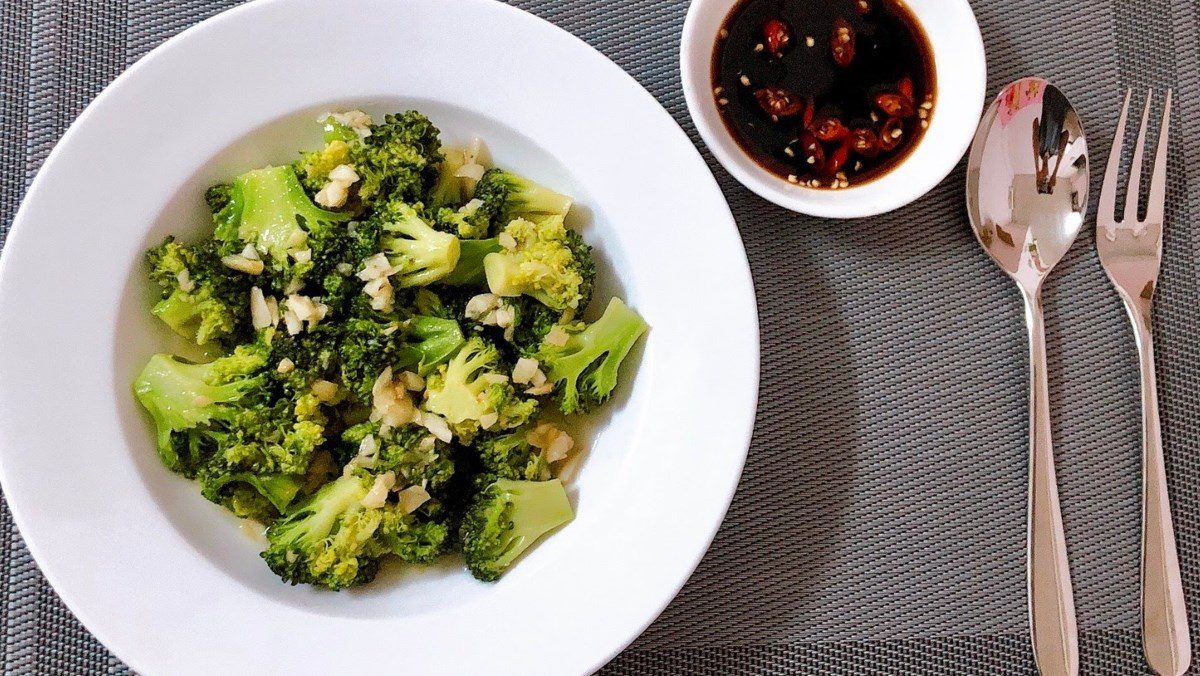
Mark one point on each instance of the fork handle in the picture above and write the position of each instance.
(1166, 638)
(1051, 602)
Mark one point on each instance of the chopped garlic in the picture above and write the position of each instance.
(368, 453)
(412, 498)
(377, 496)
(286, 365)
(522, 373)
(539, 390)
(471, 171)
(390, 402)
(301, 255)
(555, 443)
(325, 391)
(412, 381)
(559, 448)
(250, 253)
(304, 309)
(343, 173)
(556, 337)
(356, 120)
(436, 425)
(506, 240)
(260, 312)
(488, 420)
(478, 307)
(243, 264)
(184, 278)
(292, 322)
(332, 195)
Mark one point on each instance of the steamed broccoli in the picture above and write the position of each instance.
(423, 254)
(270, 210)
(428, 342)
(398, 160)
(549, 262)
(222, 417)
(504, 196)
(183, 398)
(506, 518)
(585, 369)
(415, 455)
(251, 496)
(531, 322)
(472, 394)
(469, 270)
(510, 456)
(413, 539)
(448, 190)
(328, 539)
(201, 300)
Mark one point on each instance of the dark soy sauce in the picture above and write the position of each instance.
(824, 93)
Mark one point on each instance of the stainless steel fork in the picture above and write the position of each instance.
(1131, 253)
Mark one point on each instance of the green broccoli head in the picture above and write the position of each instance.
(422, 254)
(428, 342)
(504, 196)
(201, 300)
(472, 394)
(548, 262)
(509, 455)
(506, 518)
(469, 271)
(413, 539)
(585, 369)
(328, 540)
(531, 322)
(251, 496)
(398, 160)
(185, 398)
(272, 212)
(415, 456)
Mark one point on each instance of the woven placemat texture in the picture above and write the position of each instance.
(880, 523)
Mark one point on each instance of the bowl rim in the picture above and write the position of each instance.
(958, 52)
(741, 424)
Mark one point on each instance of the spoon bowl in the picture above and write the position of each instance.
(1027, 195)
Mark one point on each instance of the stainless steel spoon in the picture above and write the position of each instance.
(1027, 189)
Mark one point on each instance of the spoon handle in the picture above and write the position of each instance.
(1165, 636)
(1051, 603)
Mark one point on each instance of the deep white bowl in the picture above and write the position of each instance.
(961, 86)
(167, 580)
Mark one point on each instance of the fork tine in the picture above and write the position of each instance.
(1156, 207)
(1108, 193)
(1139, 156)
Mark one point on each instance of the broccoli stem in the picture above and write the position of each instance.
(470, 269)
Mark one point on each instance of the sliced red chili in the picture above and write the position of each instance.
(892, 134)
(906, 87)
(895, 105)
(842, 42)
(777, 36)
(865, 142)
(828, 128)
(839, 158)
(812, 153)
(778, 101)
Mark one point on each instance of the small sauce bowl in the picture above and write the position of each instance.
(961, 77)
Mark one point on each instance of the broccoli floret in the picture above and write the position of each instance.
(201, 300)
(364, 349)
(531, 322)
(504, 196)
(585, 369)
(428, 343)
(470, 221)
(182, 398)
(511, 456)
(413, 539)
(224, 417)
(423, 254)
(416, 456)
(250, 496)
(549, 262)
(398, 160)
(337, 254)
(506, 518)
(472, 394)
(276, 215)
(328, 539)
(469, 271)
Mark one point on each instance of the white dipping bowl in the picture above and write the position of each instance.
(961, 71)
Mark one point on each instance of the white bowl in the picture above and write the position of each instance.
(165, 579)
(961, 86)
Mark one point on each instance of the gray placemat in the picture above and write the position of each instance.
(879, 526)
